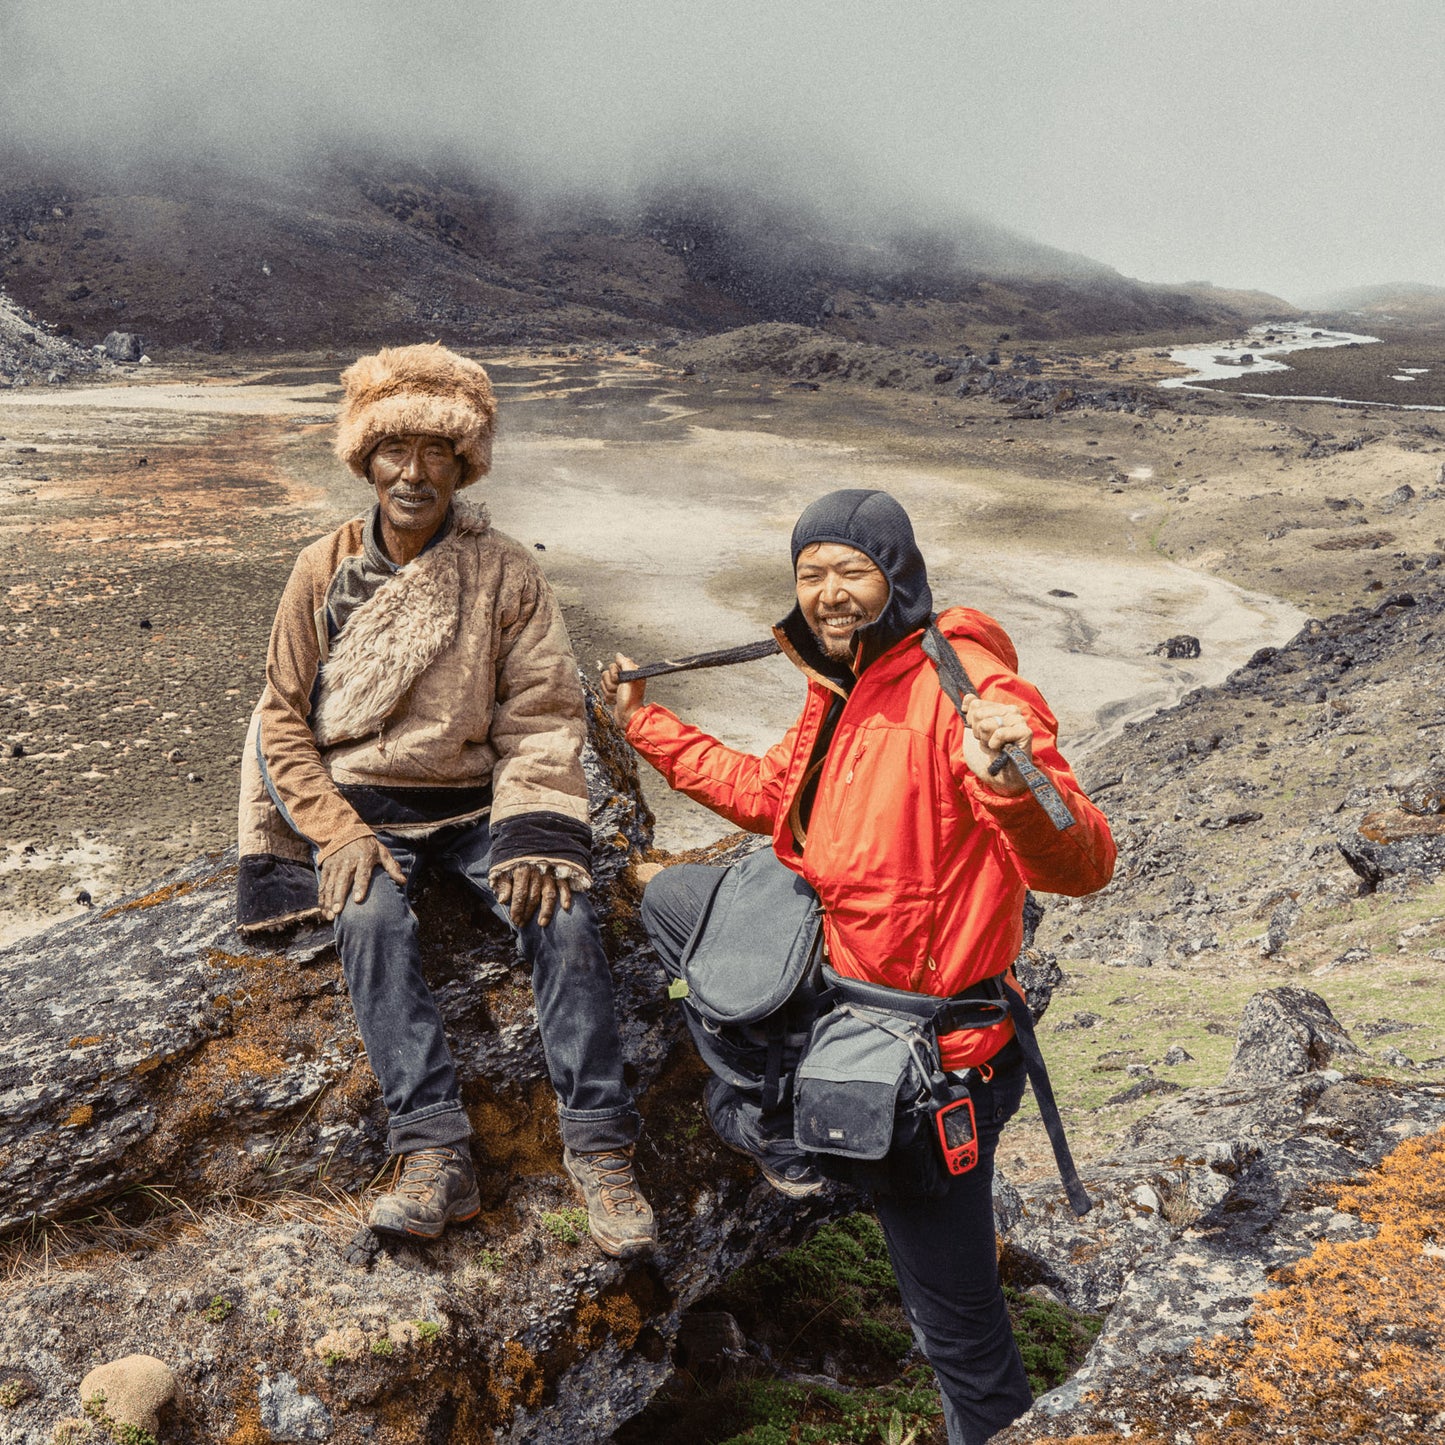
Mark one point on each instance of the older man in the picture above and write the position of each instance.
(422, 707)
(887, 803)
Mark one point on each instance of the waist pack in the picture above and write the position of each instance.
(859, 1060)
(872, 1098)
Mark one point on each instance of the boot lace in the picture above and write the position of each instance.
(616, 1183)
(419, 1170)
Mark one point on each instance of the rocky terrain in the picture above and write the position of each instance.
(1246, 1027)
(359, 252)
(195, 1116)
(31, 351)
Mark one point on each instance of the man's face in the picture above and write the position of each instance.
(839, 591)
(414, 477)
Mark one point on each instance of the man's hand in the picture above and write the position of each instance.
(532, 888)
(623, 698)
(990, 726)
(349, 870)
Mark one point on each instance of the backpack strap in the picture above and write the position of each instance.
(956, 685)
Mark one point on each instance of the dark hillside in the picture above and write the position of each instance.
(355, 254)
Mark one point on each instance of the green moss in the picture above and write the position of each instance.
(120, 1431)
(217, 1310)
(785, 1414)
(1053, 1339)
(12, 1392)
(427, 1330)
(382, 1347)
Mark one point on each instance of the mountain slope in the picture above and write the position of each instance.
(354, 254)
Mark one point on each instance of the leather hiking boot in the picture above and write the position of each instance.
(782, 1163)
(618, 1217)
(434, 1187)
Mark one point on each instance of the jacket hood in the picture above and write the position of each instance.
(877, 526)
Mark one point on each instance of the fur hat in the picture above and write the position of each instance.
(418, 390)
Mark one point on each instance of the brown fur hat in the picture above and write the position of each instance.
(417, 390)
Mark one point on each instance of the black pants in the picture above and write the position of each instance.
(943, 1250)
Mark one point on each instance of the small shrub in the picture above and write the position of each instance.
(1052, 1338)
(490, 1260)
(568, 1225)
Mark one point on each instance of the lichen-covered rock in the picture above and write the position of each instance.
(131, 1391)
(152, 1058)
(287, 1414)
(1241, 1177)
(1283, 1033)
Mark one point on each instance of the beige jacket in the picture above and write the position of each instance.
(455, 673)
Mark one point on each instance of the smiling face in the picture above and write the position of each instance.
(839, 591)
(414, 477)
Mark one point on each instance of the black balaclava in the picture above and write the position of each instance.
(875, 524)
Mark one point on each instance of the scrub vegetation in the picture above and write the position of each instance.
(830, 1357)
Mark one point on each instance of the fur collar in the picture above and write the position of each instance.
(393, 637)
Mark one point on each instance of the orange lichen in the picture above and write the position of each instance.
(161, 895)
(85, 1041)
(79, 1116)
(1346, 1343)
(249, 1430)
(525, 1374)
(1350, 1338)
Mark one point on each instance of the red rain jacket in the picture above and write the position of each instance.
(920, 868)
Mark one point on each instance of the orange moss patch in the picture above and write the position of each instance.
(79, 1116)
(1349, 1343)
(525, 1375)
(161, 895)
(249, 1430)
(516, 1134)
(1345, 1346)
(249, 1060)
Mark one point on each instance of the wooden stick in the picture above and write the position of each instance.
(724, 658)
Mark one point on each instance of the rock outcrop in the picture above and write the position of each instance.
(1217, 1191)
(200, 1113)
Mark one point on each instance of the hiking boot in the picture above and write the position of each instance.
(618, 1217)
(434, 1187)
(783, 1164)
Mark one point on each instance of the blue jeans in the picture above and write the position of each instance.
(402, 1027)
(943, 1250)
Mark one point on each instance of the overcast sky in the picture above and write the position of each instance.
(1293, 145)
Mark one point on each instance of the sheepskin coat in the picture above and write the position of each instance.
(455, 673)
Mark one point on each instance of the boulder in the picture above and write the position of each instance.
(1218, 1190)
(1283, 1033)
(123, 346)
(1182, 646)
(132, 1391)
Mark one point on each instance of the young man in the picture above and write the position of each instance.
(422, 707)
(882, 799)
